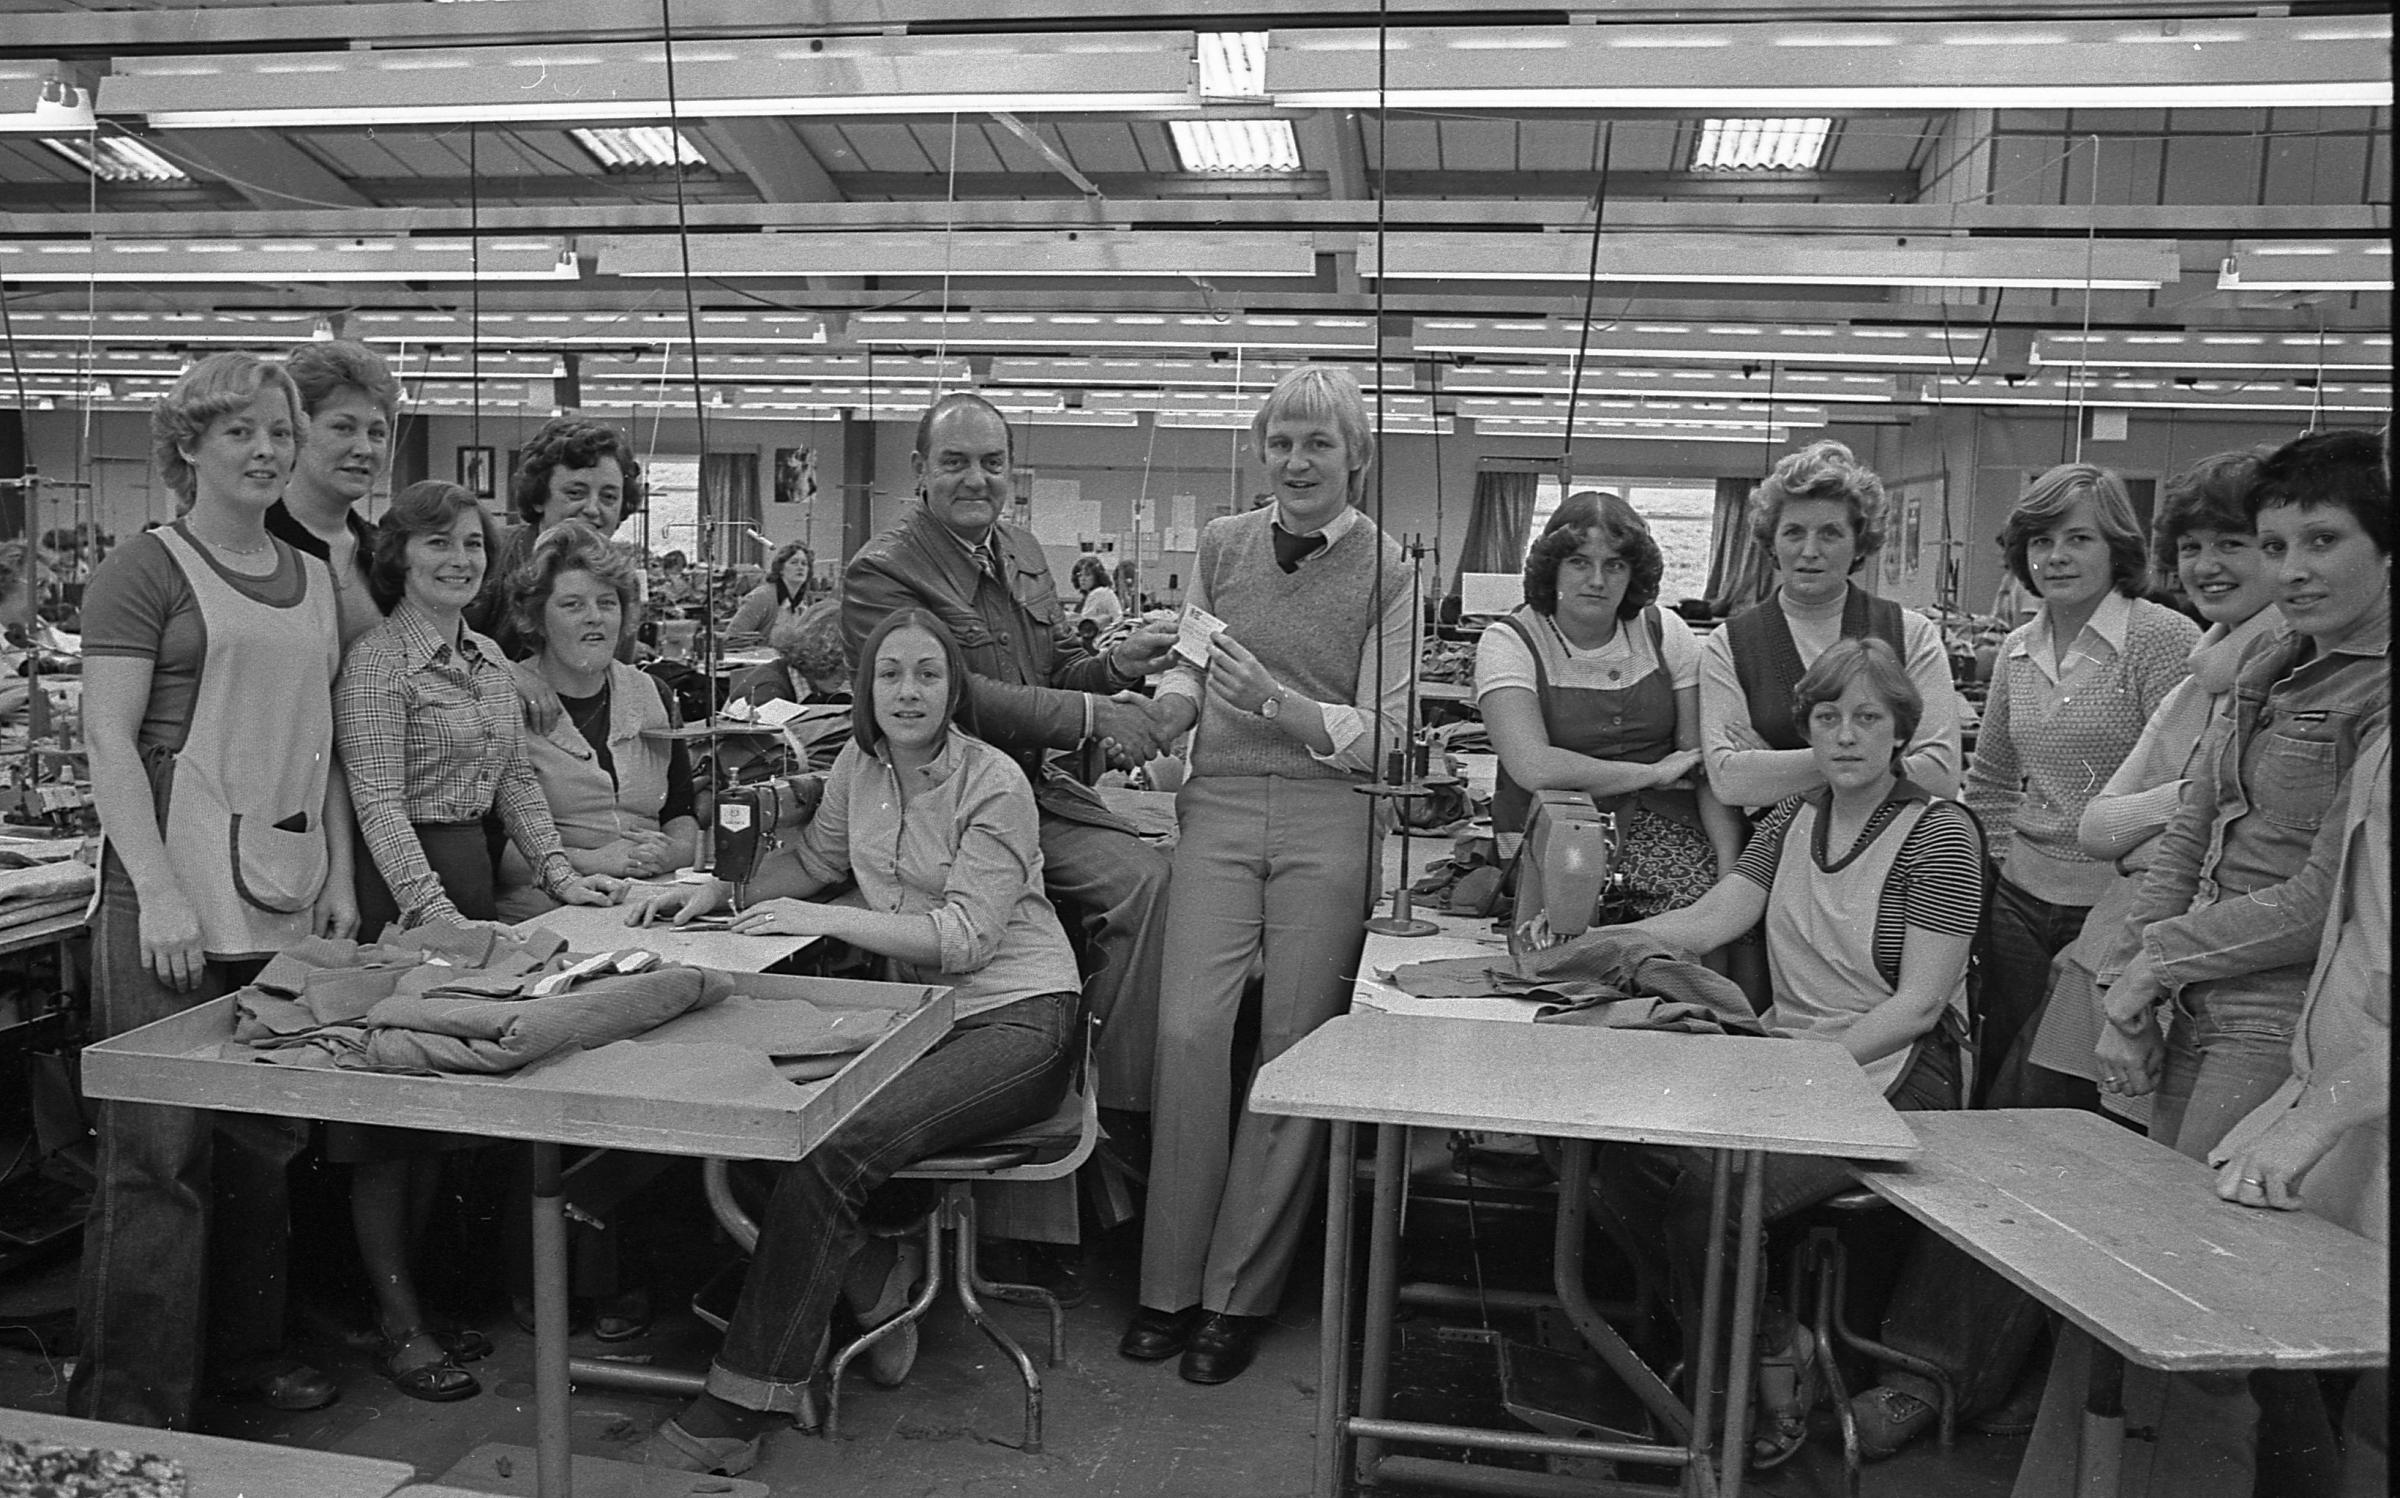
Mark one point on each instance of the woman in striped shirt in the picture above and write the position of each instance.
(1891, 991)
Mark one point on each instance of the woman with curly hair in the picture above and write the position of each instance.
(572, 469)
(1101, 608)
(224, 846)
(619, 791)
(1591, 687)
(783, 595)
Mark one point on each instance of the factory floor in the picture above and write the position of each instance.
(1114, 1429)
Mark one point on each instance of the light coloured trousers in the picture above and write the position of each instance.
(1274, 873)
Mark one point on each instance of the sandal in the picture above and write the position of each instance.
(1787, 1388)
(464, 1344)
(438, 1382)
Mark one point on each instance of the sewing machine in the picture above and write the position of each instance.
(1571, 855)
(750, 816)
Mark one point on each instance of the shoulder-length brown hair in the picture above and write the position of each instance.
(958, 712)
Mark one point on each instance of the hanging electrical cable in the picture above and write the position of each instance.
(706, 543)
(475, 292)
(1591, 294)
(2083, 350)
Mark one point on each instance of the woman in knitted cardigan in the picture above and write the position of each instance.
(2071, 690)
(1307, 684)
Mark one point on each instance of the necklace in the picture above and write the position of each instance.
(264, 546)
(583, 725)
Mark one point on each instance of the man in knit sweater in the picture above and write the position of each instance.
(1037, 688)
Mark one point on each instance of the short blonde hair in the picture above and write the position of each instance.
(1327, 393)
(1822, 470)
(220, 383)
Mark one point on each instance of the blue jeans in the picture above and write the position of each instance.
(995, 1071)
(2228, 1050)
(2024, 932)
(183, 1249)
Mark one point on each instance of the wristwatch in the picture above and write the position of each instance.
(1273, 705)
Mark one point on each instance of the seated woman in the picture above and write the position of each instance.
(620, 798)
(1591, 687)
(427, 718)
(812, 664)
(783, 595)
(1100, 608)
(942, 834)
(1869, 839)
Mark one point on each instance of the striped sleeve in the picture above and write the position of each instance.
(1944, 862)
(1765, 849)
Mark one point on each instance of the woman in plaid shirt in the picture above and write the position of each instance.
(432, 738)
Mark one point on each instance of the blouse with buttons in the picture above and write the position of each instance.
(962, 846)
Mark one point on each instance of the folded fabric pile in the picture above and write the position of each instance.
(1607, 977)
(41, 879)
(49, 1469)
(448, 999)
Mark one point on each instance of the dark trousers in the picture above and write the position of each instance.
(184, 1246)
(995, 1071)
(2022, 934)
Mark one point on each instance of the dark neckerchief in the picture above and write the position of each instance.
(1291, 550)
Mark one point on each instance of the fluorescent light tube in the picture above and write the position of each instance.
(1771, 260)
(1080, 255)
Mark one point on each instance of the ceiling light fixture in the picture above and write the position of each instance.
(274, 261)
(37, 99)
(2307, 265)
(1776, 260)
(1080, 254)
(117, 158)
(568, 80)
(1778, 68)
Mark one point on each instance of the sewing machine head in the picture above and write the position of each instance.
(1570, 856)
(749, 817)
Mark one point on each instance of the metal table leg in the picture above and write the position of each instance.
(2100, 1456)
(1700, 1477)
(553, 1469)
(1566, 1273)
(1383, 1287)
(1743, 1350)
(1333, 1319)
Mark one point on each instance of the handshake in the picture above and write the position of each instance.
(1134, 730)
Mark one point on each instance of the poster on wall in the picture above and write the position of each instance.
(1913, 533)
(475, 471)
(795, 475)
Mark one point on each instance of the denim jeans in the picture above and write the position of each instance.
(1664, 1190)
(2228, 1050)
(995, 1071)
(2023, 933)
(183, 1249)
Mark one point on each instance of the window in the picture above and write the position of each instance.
(1682, 517)
(116, 158)
(636, 147)
(1761, 145)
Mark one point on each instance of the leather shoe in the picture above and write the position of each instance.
(1154, 1336)
(1222, 1346)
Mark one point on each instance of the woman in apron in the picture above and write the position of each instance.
(1890, 989)
(216, 858)
(1591, 687)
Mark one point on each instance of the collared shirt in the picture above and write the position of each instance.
(963, 847)
(2053, 734)
(2253, 823)
(1396, 641)
(435, 733)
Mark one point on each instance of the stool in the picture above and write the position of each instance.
(1825, 1258)
(1055, 1147)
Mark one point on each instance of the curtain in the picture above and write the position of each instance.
(729, 500)
(1739, 570)
(1498, 526)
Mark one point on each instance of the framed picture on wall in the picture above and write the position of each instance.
(475, 468)
(795, 475)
